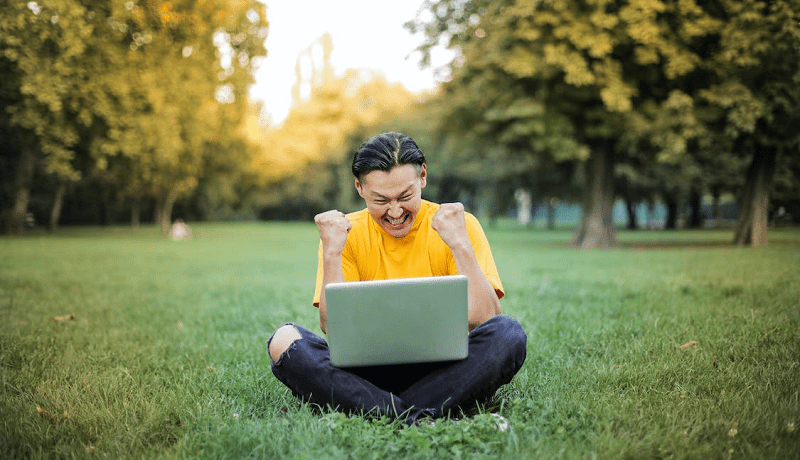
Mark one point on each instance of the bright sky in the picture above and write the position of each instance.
(367, 34)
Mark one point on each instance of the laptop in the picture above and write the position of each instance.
(397, 321)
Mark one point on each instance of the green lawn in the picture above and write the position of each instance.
(165, 356)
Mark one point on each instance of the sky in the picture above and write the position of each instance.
(367, 34)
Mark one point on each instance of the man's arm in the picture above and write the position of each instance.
(333, 228)
(450, 224)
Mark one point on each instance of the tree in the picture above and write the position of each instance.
(757, 94)
(597, 79)
(322, 127)
(742, 99)
(40, 49)
(541, 78)
(192, 65)
(143, 89)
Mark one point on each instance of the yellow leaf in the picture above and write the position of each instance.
(44, 413)
(60, 319)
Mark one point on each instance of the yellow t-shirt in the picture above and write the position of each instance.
(373, 254)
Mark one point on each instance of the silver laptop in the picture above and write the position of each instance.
(397, 321)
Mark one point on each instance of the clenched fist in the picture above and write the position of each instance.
(333, 228)
(450, 225)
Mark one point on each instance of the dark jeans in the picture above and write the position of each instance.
(497, 349)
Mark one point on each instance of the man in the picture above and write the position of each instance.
(400, 235)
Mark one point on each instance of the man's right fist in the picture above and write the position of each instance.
(333, 227)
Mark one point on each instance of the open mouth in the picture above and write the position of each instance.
(397, 222)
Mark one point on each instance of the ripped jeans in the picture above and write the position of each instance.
(497, 350)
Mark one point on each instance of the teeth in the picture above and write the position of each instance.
(396, 221)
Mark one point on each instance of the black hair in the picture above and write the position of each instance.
(385, 151)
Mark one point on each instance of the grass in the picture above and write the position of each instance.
(165, 356)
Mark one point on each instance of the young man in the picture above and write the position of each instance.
(400, 235)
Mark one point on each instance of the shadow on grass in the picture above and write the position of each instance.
(650, 245)
(701, 244)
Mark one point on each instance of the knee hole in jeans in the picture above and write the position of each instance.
(282, 339)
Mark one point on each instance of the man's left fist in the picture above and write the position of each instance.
(450, 225)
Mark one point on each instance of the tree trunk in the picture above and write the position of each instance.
(58, 203)
(136, 212)
(166, 212)
(672, 211)
(752, 226)
(596, 229)
(16, 216)
(716, 210)
(106, 207)
(159, 210)
(651, 214)
(551, 214)
(696, 205)
(631, 208)
(497, 204)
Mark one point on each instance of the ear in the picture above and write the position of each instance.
(423, 175)
(359, 187)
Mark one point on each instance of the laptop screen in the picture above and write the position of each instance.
(406, 320)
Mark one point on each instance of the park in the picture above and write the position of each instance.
(633, 163)
(123, 344)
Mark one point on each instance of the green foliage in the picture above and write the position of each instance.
(192, 66)
(135, 94)
(165, 357)
(320, 126)
(659, 82)
(43, 47)
(659, 74)
(306, 160)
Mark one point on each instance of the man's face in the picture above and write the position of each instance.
(393, 199)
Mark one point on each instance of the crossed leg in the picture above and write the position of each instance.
(497, 351)
(303, 365)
